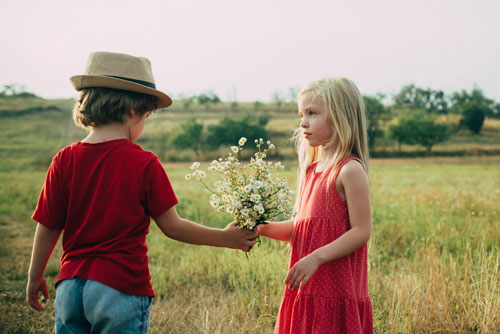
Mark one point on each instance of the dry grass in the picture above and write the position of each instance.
(437, 292)
(434, 256)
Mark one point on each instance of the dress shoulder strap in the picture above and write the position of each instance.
(342, 163)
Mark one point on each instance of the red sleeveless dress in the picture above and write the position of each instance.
(335, 300)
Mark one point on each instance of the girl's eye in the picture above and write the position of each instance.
(311, 113)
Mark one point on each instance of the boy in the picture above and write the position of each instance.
(102, 191)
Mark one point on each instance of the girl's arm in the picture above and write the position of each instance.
(277, 230)
(184, 230)
(354, 181)
(43, 245)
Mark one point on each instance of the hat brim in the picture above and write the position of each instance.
(85, 81)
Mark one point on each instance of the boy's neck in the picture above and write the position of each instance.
(106, 133)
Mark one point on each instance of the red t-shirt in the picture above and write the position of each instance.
(103, 196)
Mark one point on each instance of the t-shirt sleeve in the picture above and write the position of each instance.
(50, 210)
(160, 194)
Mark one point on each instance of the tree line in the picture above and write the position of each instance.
(418, 116)
(15, 91)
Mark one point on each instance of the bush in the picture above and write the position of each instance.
(473, 118)
(263, 119)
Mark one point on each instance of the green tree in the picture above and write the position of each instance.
(419, 128)
(473, 118)
(257, 105)
(292, 93)
(15, 90)
(496, 110)
(430, 133)
(402, 131)
(277, 97)
(207, 99)
(229, 131)
(376, 115)
(463, 100)
(189, 137)
(413, 97)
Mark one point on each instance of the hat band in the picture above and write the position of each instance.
(140, 82)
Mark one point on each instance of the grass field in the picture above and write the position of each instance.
(434, 256)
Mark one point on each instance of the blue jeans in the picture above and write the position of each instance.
(87, 306)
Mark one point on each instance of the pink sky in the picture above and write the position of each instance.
(252, 48)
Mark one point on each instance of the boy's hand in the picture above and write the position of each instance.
(32, 290)
(234, 237)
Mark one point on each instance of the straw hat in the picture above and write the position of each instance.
(120, 71)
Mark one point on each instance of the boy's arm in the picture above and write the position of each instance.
(184, 230)
(43, 245)
(277, 230)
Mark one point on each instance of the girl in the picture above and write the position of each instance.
(327, 281)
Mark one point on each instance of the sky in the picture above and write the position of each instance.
(247, 50)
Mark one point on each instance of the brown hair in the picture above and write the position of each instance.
(98, 106)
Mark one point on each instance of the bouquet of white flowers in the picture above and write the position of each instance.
(249, 192)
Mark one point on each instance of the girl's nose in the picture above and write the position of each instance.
(303, 123)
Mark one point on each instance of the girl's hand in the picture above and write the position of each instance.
(235, 237)
(259, 229)
(302, 271)
(32, 290)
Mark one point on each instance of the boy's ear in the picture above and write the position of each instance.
(131, 113)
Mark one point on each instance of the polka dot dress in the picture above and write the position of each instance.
(335, 300)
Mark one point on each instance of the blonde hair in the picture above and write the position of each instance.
(345, 113)
(100, 106)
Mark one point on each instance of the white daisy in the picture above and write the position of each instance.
(255, 197)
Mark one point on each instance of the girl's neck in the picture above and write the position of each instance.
(327, 155)
(325, 161)
(107, 132)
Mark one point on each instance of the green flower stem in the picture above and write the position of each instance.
(213, 192)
